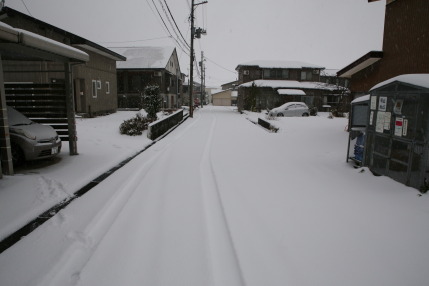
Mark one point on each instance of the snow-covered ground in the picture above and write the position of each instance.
(219, 201)
(41, 185)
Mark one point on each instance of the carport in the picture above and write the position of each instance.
(21, 45)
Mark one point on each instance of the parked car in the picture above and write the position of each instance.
(290, 109)
(31, 140)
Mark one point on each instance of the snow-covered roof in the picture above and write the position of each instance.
(360, 99)
(144, 57)
(329, 72)
(280, 64)
(291, 92)
(19, 36)
(414, 79)
(291, 84)
(75, 40)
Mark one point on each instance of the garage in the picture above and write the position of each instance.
(223, 98)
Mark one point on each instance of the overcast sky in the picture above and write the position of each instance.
(330, 33)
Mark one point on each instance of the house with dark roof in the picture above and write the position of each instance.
(149, 66)
(259, 83)
(94, 84)
(405, 47)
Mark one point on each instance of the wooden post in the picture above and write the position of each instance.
(191, 64)
(70, 109)
(6, 165)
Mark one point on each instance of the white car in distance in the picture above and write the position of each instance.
(290, 109)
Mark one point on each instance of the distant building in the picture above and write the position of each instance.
(329, 76)
(149, 66)
(225, 98)
(405, 47)
(259, 82)
(230, 85)
(196, 92)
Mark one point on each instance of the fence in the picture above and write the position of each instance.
(42, 103)
(160, 127)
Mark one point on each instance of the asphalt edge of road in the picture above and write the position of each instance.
(45, 216)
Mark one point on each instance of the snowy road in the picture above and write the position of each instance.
(221, 201)
(174, 220)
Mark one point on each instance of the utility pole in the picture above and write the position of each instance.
(202, 78)
(191, 80)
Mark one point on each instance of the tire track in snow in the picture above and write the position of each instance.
(225, 265)
(78, 254)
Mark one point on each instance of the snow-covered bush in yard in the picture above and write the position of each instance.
(153, 101)
(134, 126)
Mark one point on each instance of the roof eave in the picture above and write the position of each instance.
(75, 40)
(360, 64)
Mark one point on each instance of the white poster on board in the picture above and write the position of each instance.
(373, 102)
(387, 117)
(405, 127)
(398, 106)
(382, 103)
(399, 122)
(379, 125)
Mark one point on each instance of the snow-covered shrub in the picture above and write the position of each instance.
(270, 117)
(153, 101)
(134, 126)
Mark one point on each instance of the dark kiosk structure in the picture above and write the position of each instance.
(358, 120)
(397, 135)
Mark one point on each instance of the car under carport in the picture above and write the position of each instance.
(21, 45)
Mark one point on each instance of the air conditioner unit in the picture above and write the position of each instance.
(316, 71)
(158, 73)
(246, 72)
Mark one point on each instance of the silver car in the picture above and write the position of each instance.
(31, 140)
(290, 109)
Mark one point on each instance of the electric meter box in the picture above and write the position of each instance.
(397, 132)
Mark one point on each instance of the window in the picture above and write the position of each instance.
(107, 87)
(276, 73)
(98, 84)
(307, 100)
(135, 83)
(94, 88)
(285, 74)
(306, 75)
(267, 73)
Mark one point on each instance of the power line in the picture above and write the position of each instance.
(26, 8)
(166, 27)
(176, 24)
(234, 72)
(171, 24)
